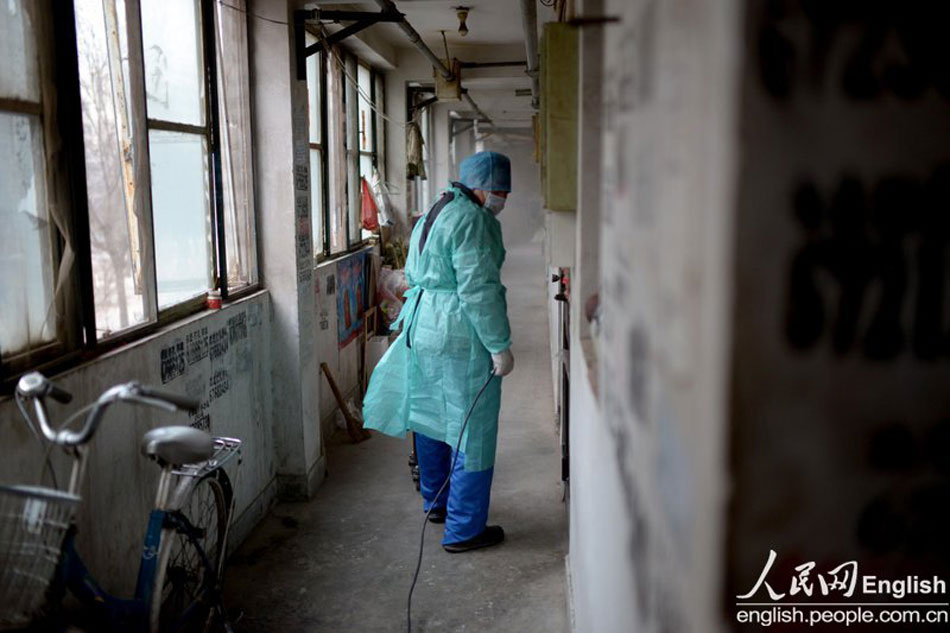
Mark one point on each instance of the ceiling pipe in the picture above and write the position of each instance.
(438, 64)
(529, 20)
(491, 64)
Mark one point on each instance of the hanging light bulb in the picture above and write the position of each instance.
(462, 13)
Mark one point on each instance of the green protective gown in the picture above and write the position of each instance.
(455, 317)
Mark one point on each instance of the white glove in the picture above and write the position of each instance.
(503, 362)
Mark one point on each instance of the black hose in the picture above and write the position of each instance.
(425, 521)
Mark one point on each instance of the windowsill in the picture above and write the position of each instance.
(144, 335)
(366, 244)
(163, 329)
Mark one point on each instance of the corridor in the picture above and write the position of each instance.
(728, 267)
(344, 560)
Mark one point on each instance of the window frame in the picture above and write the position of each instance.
(64, 179)
(77, 340)
(323, 254)
(210, 131)
(350, 134)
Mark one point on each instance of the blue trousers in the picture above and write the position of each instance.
(466, 497)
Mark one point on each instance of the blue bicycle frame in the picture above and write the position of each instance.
(123, 614)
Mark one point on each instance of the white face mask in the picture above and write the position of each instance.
(494, 203)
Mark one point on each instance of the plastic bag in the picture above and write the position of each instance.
(370, 210)
(389, 292)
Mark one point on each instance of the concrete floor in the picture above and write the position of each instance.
(343, 561)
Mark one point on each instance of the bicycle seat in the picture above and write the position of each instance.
(177, 445)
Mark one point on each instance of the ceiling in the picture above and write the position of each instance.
(495, 34)
(489, 21)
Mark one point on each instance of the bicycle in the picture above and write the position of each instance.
(179, 578)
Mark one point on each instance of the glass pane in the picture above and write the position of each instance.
(115, 228)
(336, 154)
(181, 215)
(366, 172)
(351, 102)
(366, 112)
(234, 103)
(313, 91)
(26, 271)
(19, 78)
(380, 127)
(174, 76)
(316, 199)
(366, 168)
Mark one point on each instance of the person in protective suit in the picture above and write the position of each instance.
(455, 333)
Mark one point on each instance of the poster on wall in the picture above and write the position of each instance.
(350, 297)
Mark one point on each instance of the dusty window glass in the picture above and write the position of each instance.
(352, 154)
(380, 127)
(18, 78)
(234, 105)
(181, 208)
(313, 91)
(26, 274)
(314, 80)
(365, 111)
(27, 254)
(336, 155)
(181, 215)
(117, 229)
(366, 167)
(174, 75)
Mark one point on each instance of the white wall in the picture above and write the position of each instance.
(282, 170)
(648, 447)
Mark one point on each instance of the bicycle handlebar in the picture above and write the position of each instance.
(36, 386)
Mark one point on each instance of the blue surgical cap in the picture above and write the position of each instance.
(488, 171)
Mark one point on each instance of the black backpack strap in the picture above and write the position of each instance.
(434, 212)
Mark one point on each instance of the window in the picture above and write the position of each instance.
(115, 152)
(234, 114)
(35, 249)
(179, 140)
(160, 157)
(159, 235)
(367, 131)
(418, 166)
(336, 154)
(345, 102)
(315, 101)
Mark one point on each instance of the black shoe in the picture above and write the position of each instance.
(437, 515)
(491, 535)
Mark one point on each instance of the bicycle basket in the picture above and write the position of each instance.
(33, 522)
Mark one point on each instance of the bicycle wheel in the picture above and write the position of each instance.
(182, 595)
